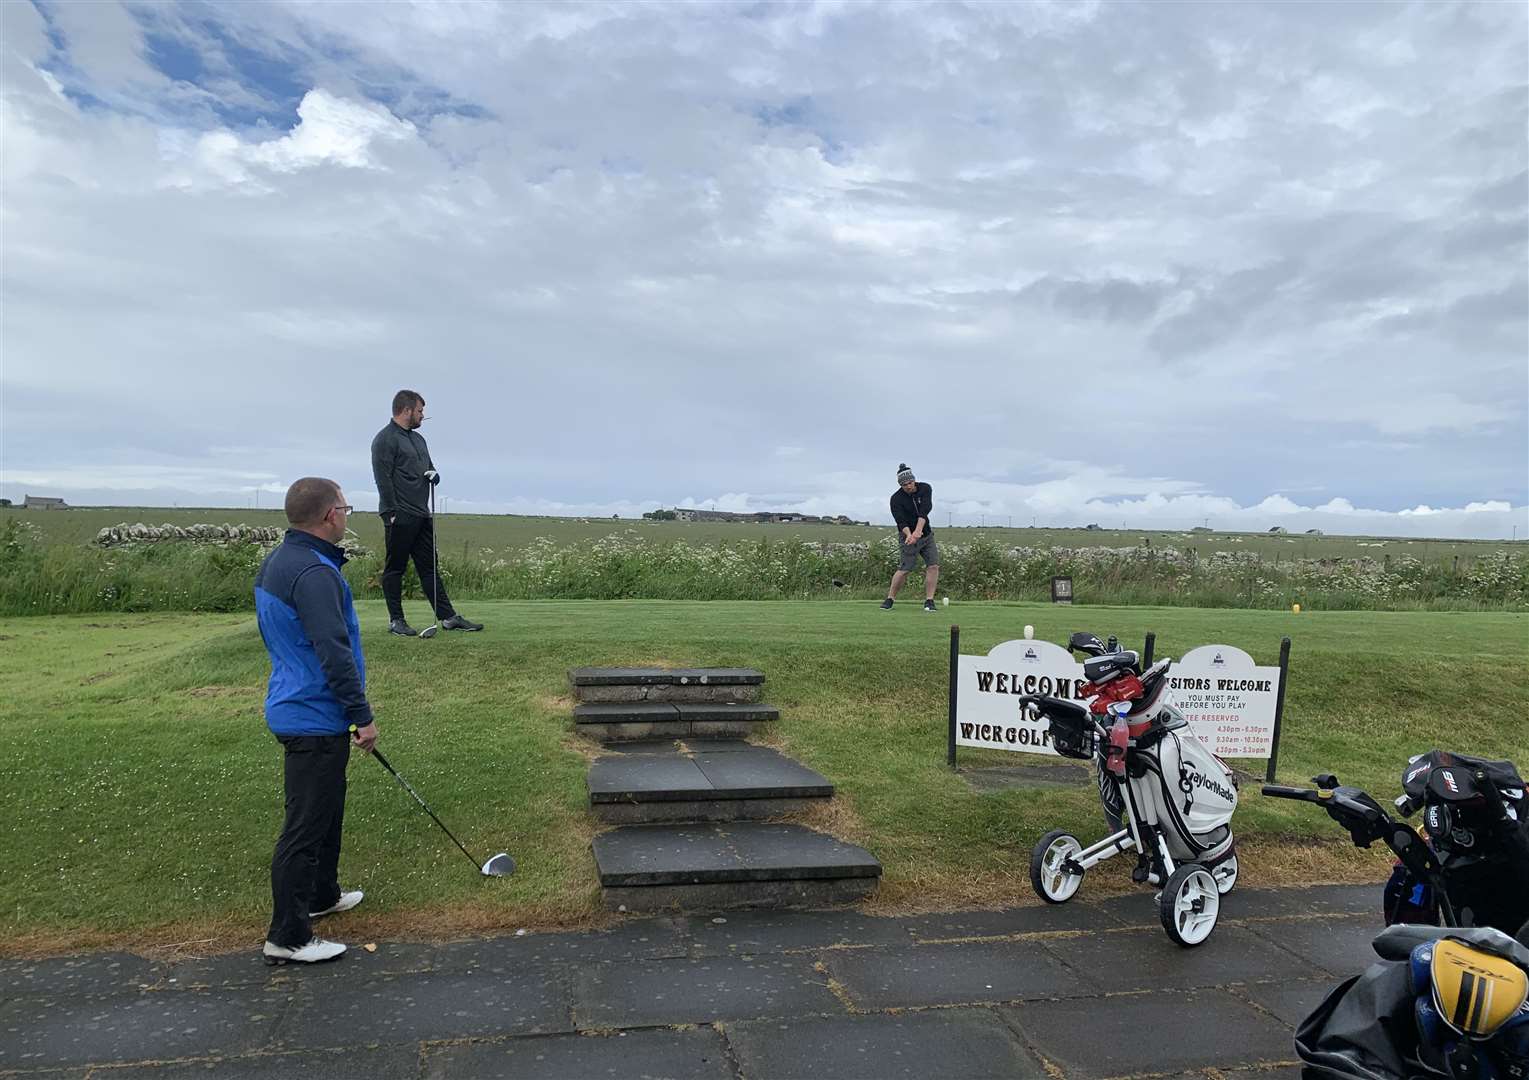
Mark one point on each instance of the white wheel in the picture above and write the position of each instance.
(1189, 904)
(1225, 873)
(1050, 875)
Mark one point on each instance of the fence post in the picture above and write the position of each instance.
(1147, 650)
(1279, 708)
(950, 734)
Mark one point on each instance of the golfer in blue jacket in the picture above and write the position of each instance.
(316, 694)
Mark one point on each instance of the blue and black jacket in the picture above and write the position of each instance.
(308, 620)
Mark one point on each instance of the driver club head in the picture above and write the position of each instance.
(430, 631)
(500, 865)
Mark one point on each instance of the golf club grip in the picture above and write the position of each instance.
(1279, 791)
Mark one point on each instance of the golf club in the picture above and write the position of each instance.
(500, 865)
(435, 570)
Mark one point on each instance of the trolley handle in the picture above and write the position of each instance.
(1279, 791)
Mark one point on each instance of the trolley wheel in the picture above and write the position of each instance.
(1189, 904)
(1049, 875)
(1225, 873)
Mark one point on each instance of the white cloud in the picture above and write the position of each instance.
(634, 254)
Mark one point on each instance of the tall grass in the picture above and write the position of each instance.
(37, 578)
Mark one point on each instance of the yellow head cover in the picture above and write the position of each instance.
(1475, 992)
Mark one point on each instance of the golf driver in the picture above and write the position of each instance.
(435, 579)
(500, 865)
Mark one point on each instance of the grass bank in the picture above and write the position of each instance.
(143, 793)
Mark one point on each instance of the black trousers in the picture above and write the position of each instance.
(306, 867)
(412, 537)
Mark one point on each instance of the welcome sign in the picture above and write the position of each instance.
(1231, 703)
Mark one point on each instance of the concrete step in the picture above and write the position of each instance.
(592, 684)
(616, 721)
(694, 783)
(746, 864)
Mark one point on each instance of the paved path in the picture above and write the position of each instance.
(1082, 990)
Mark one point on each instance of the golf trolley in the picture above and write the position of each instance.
(1167, 797)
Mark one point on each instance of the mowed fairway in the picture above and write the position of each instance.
(142, 791)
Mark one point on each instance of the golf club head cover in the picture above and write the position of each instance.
(432, 476)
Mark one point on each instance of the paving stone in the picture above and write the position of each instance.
(647, 777)
(1341, 946)
(752, 932)
(38, 1031)
(639, 855)
(761, 773)
(92, 973)
(1284, 1072)
(1292, 1001)
(634, 939)
(1191, 1031)
(951, 974)
(798, 895)
(636, 712)
(726, 710)
(248, 968)
(716, 676)
(1038, 919)
(1243, 903)
(953, 1044)
(381, 1063)
(700, 991)
(414, 1008)
(697, 1053)
(609, 676)
(1147, 960)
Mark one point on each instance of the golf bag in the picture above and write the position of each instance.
(1442, 1002)
(1473, 867)
(1169, 798)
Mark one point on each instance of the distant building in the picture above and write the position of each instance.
(38, 502)
(1314, 532)
(1091, 528)
(1279, 529)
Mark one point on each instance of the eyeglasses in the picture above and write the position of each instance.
(347, 509)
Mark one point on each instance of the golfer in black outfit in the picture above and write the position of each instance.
(405, 474)
(912, 503)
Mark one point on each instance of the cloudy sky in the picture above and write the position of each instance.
(1080, 262)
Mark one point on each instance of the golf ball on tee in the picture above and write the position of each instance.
(1029, 632)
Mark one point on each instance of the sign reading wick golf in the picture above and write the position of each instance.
(1231, 703)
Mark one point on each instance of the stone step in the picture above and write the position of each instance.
(615, 721)
(746, 864)
(695, 783)
(592, 684)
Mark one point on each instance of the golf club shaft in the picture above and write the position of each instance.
(435, 561)
(426, 806)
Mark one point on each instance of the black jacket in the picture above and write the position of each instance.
(400, 460)
(907, 509)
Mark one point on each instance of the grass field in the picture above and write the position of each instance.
(143, 792)
(464, 533)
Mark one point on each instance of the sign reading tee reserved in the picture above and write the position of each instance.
(1231, 703)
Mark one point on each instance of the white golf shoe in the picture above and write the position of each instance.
(316, 951)
(346, 901)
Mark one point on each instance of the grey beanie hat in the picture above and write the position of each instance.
(904, 474)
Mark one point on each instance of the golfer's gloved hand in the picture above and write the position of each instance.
(433, 476)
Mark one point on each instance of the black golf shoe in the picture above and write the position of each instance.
(928, 605)
(886, 604)
(460, 622)
(402, 629)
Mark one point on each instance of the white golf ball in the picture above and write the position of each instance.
(1029, 632)
(946, 601)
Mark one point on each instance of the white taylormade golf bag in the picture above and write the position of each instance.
(1171, 798)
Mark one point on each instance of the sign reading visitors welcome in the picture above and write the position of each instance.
(1231, 703)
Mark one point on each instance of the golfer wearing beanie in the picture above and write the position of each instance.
(911, 504)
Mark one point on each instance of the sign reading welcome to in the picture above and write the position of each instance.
(1230, 702)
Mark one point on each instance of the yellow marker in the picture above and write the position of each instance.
(1295, 608)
